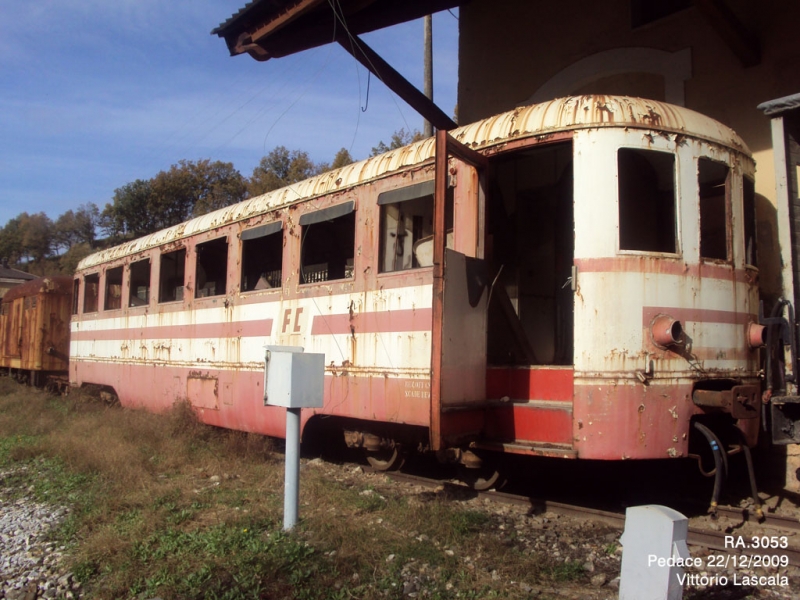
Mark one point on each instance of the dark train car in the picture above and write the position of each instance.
(34, 330)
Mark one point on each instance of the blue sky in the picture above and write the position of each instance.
(96, 94)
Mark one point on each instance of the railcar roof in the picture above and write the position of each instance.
(563, 114)
(61, 284)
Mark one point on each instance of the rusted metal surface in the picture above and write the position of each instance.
(547, 119)
(34, 325)
(399, 350)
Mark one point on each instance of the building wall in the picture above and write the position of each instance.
(510, 49)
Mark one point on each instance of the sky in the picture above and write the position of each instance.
(95, 94)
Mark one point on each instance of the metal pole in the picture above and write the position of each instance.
(428, 68)
(291, 496)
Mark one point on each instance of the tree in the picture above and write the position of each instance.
(11, 240)
(128, 214)
(36, 236)
(400, 138)
(186, 190)
(218, 184)
(280, 168)
(342, 159)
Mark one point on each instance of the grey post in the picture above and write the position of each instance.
(653, 553)
(293, 380)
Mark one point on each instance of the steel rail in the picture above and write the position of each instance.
(705, 538)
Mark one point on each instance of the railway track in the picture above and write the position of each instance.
(731, 519)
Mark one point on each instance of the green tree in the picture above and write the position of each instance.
(280, 168)
(37, 231)
(342, 159)
(74, 227)
(11, 240)
(68, 262)
(128, 213)
(400, 138)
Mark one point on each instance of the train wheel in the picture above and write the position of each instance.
(483, 479)
(386, 460)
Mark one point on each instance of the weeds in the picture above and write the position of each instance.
(163, 506)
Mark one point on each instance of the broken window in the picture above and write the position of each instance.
(713, 181)
(647, 216)
(212, 268)
(407, 227)
(113, 299)
(749, 204)
(91, 292)
(328, 243)
(262, 256)
(140, 283)
(171, 277)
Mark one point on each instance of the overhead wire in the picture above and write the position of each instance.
(355, 45)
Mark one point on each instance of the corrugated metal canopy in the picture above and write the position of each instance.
(267, 29)
(272, 28)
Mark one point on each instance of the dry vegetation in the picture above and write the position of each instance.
(163, 506)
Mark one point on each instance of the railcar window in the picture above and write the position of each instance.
(91, 292)
(262, 256)
(76, 288)
(212, 268)
(113, 297)
(406, 229)
(713, 180)
(140, 283)
(171, 278)
(647, 217)
(749, 205)
(328, 244)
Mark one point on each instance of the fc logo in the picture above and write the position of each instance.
(294, 321)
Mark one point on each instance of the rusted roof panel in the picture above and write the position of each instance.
(60, 284)
(580, 112)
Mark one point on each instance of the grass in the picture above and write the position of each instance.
(163, 506)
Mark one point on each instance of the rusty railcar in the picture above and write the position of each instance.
(572, 279)
(34, 329)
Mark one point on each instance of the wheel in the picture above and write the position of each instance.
(386, 460)
(483, 478)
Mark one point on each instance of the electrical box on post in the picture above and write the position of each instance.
(293, 378)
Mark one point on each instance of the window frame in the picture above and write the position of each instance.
(260, 232)
(161, 255)
(676, 208)
(328, 214)
(728, 208)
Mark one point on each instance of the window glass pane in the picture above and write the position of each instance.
(261, 262)
(91, 292)
(171, 278)
(712, 180)
(328, 249)
(749, 202)
(212, 268)
(140, 283)
(647, 219)
(113, 298)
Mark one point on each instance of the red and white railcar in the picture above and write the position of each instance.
(575, 279)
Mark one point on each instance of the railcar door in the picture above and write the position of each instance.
(13, 333)
(458, 369)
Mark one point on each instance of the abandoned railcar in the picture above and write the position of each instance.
(34, 330)
(574, 279)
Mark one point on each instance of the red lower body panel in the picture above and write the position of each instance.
(234, 399)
